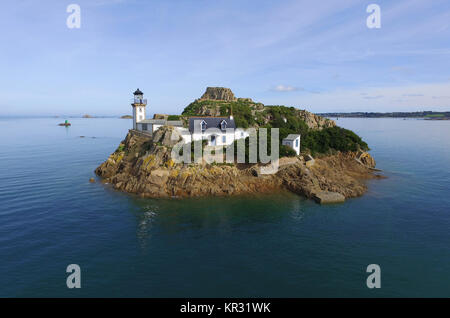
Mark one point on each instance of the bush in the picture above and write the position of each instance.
(173, 117)
(316, 141)
(293, 124)
(120, 148)
(334, 138)
(286, 151)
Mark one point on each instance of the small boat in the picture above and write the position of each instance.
(66, 124)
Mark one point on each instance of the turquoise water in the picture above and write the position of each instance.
(272, 246)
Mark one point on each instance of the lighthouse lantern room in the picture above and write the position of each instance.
(138, 104)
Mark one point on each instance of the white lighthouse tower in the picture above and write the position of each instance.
(138, 104)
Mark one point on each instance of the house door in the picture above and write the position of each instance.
(213, 140)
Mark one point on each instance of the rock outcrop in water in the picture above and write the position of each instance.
(143, 165)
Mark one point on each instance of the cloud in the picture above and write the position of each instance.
(373, 97)
(336, 76)
(440, 97)
(289, 88)
(100, 3)
(412, 95)
(404, 70)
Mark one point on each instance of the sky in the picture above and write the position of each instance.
(314, 55)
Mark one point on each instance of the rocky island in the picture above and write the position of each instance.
(332, 166)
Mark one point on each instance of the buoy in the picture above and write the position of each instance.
(66, 123)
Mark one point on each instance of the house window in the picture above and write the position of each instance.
(223, 125)
(242, 134)
(224, 139)
(296, 143)
(203, 125)
(144, 127)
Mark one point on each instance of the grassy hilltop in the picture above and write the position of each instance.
(319, 135)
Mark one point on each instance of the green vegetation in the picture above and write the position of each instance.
(315, 141)
(329, 139)
(250, 114)
(286, 151)
(120, 148)
(242, 110)
(293, 124)
(173, 117)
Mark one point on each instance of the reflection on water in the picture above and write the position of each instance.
(214, 215)
(144, 227)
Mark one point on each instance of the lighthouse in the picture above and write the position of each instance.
(138, 103)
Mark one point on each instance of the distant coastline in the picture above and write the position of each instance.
(429, 115)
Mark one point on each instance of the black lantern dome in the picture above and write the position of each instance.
(138, 92)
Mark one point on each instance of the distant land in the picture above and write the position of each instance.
(431, 115)
(85, 116)
(126, 117)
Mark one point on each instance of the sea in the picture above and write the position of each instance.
(279, 245)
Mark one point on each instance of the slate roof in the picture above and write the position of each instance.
(153, 121)
(211, 122)
(291, 137)
(175, 123)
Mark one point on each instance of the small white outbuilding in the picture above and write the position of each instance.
(293, 141)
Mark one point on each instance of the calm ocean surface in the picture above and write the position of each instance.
(274, 246)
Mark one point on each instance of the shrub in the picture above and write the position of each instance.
(334, 138)
(120, 148)
(286, 151)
